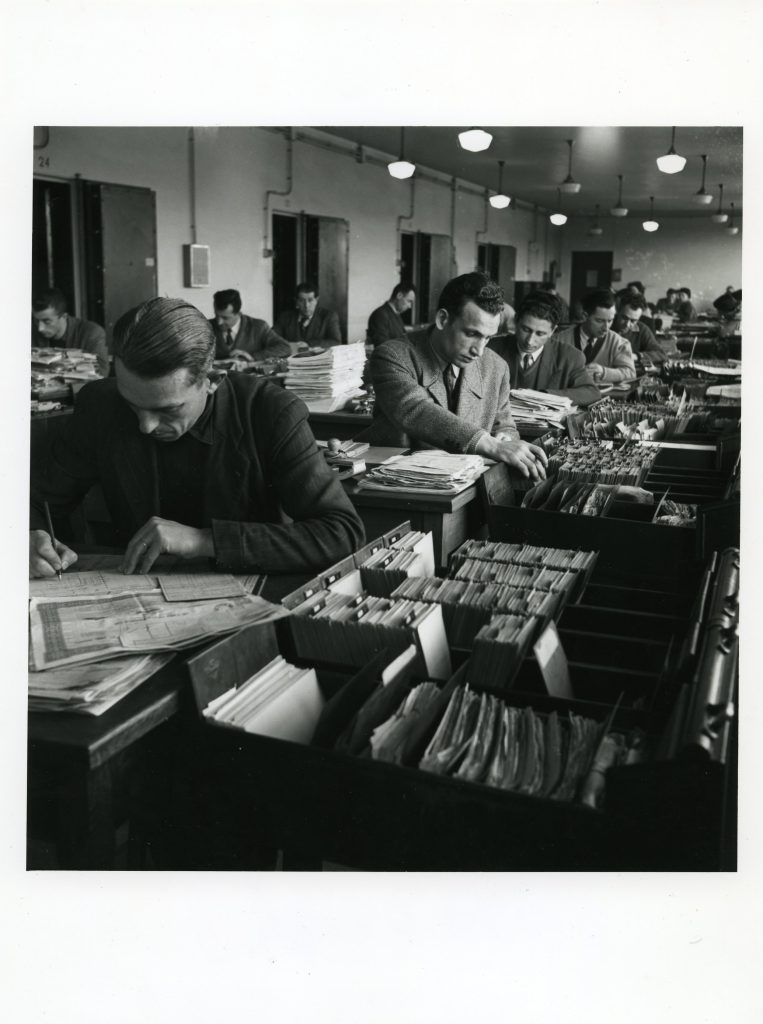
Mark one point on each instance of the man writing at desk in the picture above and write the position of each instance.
(235, 332)
(442, 388)
(54, 327)
(231, 474)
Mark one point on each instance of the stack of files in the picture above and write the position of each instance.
(598, 462)
(500, 647)
(348, 629)
(425, 472)
(384, 570)
(481, 739)
(94, 688)
(567, 559)
(524, 577)
(390, 739)
(326, 381)
(539, 407)
(579, 498)
(468, 606)
(281, 701)
(68, 631)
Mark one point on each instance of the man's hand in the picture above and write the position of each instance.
(44, 559)
(163, 537)
(596, 370)
(529, 459)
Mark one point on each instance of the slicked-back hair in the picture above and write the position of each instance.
(671, 291)
(305, 287)
(474, 287)
(52, 298)
(687, 290)
(634, 302)
(164, 335)
(227, 297)
(541, 304)
(402, 289)
(636, 284)
(601, 297)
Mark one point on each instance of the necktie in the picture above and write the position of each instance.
(229, 340)
(450, 386)
(304, 323)
(526, 361)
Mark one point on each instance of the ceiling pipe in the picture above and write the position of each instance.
(192, 180)
(484, 229)
(400, 219)
(453, 193)
(267, 252)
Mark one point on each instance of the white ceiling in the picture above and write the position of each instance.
(537, 157)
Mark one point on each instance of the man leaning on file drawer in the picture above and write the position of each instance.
(440, 387)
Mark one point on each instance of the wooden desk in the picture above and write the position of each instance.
(344, 425)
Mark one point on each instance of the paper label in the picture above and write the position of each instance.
(552, 662)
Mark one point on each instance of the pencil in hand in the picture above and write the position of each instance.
(51, 534)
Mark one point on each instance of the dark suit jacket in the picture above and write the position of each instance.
(411, 406)
(271, 502)
(642, 339)
(254, 336)
(561, 369)
(324, 326)
(384, 324)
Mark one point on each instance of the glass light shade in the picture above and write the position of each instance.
(570, 187)
(719, 218)
(475, 140)
(650, 225)
(732, 229)
(702, 198)
(671, 163)
(595, 230)
(619, 211)
(500, 201)
(558, 219)
(401, 168)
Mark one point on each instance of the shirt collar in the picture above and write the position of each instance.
(203, 428)
(442, 363)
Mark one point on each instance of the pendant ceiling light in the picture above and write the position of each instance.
(719, 217)
(732, 228)
(596, 228)
(475, 140)
(569, 185)
(401, 168)
(703, 197)
(671, 163)
(500, 201)
(558, 218)
(651, 224)
(619, 210)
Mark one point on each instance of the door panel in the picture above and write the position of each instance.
(589, 270)
(333, 266)
(439, 270)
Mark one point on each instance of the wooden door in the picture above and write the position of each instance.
(333, 266)
(439, 270)
(590, 270)
(507, 268)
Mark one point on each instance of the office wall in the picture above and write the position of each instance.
(235, 167)
(690, 251)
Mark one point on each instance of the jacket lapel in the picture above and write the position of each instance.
(470, 391)
(226, 481)
(431, 374)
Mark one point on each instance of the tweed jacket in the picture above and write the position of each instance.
(559, 369)
(271, 501)
(323, 326)
(613, 353)
(411, 407)
(254, 336)
(384, 324)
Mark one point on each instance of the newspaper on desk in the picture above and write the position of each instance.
(425, 472)
(93, 688)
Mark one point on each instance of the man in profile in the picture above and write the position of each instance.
(386, 322)
(309, 321)
(441, 387)
(629, 325)
(538, 360)
(231, 474)
(608, 356)
(55, 327)
(239, 334)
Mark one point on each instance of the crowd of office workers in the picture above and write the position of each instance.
(228, 470)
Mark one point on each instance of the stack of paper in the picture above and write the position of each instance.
(326, 381)
(425, 472)
(388, 740)
(280, 700)
(91, 689)
(538, 407)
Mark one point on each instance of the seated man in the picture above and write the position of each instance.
(54, 327)
(608, 356)
(386, 322)
(629, 325)
(441, 388)
(730, 302)
(539, 361)
(669, 304)
(235, 332)
(685, 311)
(309, 322)
(231, 474)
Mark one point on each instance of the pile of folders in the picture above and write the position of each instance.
(588, 461)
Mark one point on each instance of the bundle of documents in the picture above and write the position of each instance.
(327, 380)
(94, 688)
(566, 559)
(540, 408)
(500, 647)
(594, 462)
(67, 363)
(66, 631)
(524, 577)
(676, 513)
(388, 740)
(425, 472)
(382, 571)
(280, 700)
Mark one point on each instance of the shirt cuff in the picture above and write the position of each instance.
(471, 448)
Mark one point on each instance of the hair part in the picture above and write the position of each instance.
(543, 305)
(162, 336)
(227, 297)
(305, 287)
(601, 297)
(52, 298)
(475, 287)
